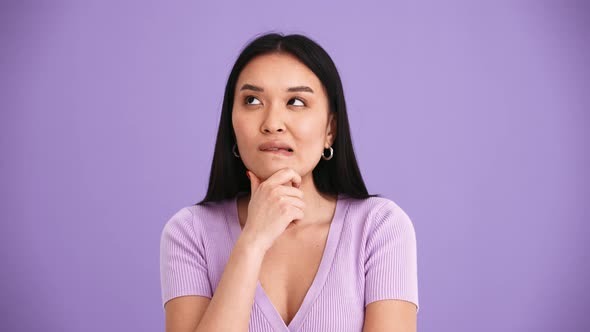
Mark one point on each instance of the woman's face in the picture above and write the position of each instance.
(279, 99)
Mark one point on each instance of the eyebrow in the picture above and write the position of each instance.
(292, 89)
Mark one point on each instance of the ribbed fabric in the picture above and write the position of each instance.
(370, 255)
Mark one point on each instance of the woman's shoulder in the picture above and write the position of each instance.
(376, 210)
(210, 209)
(197, 217)
(372, 204)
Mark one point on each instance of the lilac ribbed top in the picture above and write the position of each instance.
(370, 255)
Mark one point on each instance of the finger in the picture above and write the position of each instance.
(298, 214)
(294, 202)
(290, 191)
(295, 212)
(283, 176)
(254, 181)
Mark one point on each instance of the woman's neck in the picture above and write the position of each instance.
(319, 207)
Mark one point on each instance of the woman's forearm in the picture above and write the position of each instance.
(231, 304)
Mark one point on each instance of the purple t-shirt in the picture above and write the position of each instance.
(370, 255)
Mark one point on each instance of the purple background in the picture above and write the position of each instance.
(472, 117)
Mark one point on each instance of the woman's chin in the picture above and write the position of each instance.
(268, 170)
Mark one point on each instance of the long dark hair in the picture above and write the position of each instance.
(338, 175)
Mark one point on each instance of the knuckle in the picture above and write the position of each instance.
(274, 190)
(284, 209)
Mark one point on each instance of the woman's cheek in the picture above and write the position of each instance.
(242, 126)
(316, 138)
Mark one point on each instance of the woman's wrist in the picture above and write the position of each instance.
(247, 243)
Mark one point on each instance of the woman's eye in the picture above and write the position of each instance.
(249, 99)
(303, 104)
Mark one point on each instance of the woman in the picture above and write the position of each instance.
(287, 237)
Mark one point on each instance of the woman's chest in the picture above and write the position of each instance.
(290, 267)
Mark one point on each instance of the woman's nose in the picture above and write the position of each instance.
(273, 120)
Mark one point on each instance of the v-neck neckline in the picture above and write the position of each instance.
(261, 298)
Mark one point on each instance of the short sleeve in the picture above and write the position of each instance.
(390, 257)
(183, 268)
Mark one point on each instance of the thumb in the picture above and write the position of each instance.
(254, 181)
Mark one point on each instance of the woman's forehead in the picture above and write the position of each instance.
(277, 72)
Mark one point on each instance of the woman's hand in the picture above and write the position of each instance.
(273, 205)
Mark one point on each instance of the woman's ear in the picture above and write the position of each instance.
(331, 128)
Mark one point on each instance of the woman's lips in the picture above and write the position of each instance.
(281, 152)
